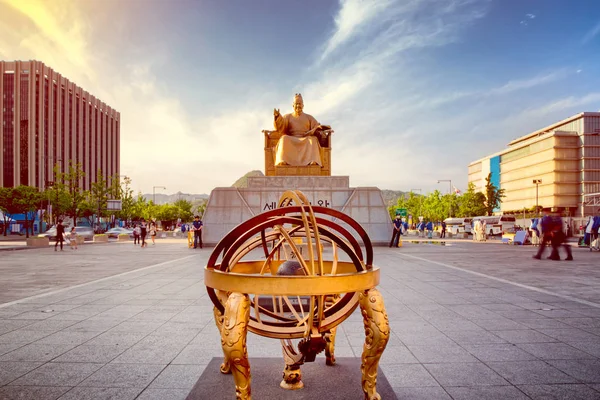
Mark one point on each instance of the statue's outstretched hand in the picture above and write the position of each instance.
(276, 113)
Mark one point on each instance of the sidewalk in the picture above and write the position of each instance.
(468, 322)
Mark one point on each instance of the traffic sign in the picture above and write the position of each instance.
(401, 212)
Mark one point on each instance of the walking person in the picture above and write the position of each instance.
(60, 235)
(136, 234)
(153, 232)
(73, 239)
(558, 238)
(197, 228)
(546, 235)
(396, 232)
(143, 232)
(443, 234)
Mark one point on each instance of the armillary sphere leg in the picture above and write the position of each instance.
(330, 347)
(292, 377)
(219, 317)
(377, 332)
(233, 340)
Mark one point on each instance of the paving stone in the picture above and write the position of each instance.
(499, 323)
(464, 374)
(7, 348)
(421, 393)
(23, 336)
(116, 338)
(124, 375)
(408, 375)
(560, 392)
(530, 372)
(91, 354)
(31, 392)
(554, 351)
(178, 377)
(391, 355)
(524, 336)
(474, 337)
(67, 337)
(486, 392)
(587, 371)
(92, 393)
(11, 370)
(92, 326)
(592, 348)
(544, 323)
(441, 354)
(196, 354)
(571, 335)
(37, 352)
(7, 325)
(498, 352)
(57, 374)
(163, 394)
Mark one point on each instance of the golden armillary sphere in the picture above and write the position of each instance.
(294, 273)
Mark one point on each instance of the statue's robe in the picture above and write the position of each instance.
(296, 146)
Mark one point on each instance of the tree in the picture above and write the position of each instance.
(127, 200)
(71, 183)
(493, 195)
(184, 209)
(27, 201)
(472, 203)
(6, 205)
(100, 192)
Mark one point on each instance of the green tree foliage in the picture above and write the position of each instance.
(70, 182)
(184, 210)
(127, 200)
(26, 201)
(472, 203)
(7, 205)
(493, 195)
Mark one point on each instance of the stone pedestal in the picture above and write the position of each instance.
(37, 241)
(227, 207)
(100, 239)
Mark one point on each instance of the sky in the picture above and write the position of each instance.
(415, 90)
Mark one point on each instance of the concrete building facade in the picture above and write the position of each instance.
(564, 160)
(47, 119)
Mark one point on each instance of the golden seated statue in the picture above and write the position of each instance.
(298, 146)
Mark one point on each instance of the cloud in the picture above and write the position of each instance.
(530, 16)
(559, 106)
(591, 34)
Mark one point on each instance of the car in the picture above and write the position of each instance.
(51, 233)
(86, 232)
(115, 232)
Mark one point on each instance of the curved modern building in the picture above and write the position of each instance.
(556, 167)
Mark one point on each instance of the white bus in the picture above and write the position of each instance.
(458, 225)
(497, 224)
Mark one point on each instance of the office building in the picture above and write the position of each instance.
(46, 120)
(556, 167)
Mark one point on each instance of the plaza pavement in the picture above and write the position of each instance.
(469, 321)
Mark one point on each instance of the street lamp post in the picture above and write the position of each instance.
(449, 192)
(537, 182)
(420, 199)
(154, 192)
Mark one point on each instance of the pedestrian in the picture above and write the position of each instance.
(546, 235)
(153, 232)
(60, 235)
(421, 228)
(443, 234)
(73, 239)
(535, 233)
(143, 232)
(396, 232)
(197, 228)
(429, 228)
(136, 234)
(558, 238)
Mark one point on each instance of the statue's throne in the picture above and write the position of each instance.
(271, 139)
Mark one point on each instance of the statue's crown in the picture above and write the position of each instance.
(298, 96)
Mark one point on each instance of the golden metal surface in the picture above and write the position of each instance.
(293, 293)
(233, 341)
(292, 285)
(292, 378)
(299, 145)
(377, 332)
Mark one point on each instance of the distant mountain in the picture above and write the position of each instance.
(243, 181)
(172, 198)
(390, 197)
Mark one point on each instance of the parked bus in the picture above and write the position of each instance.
(497, 224)
(458, 225)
